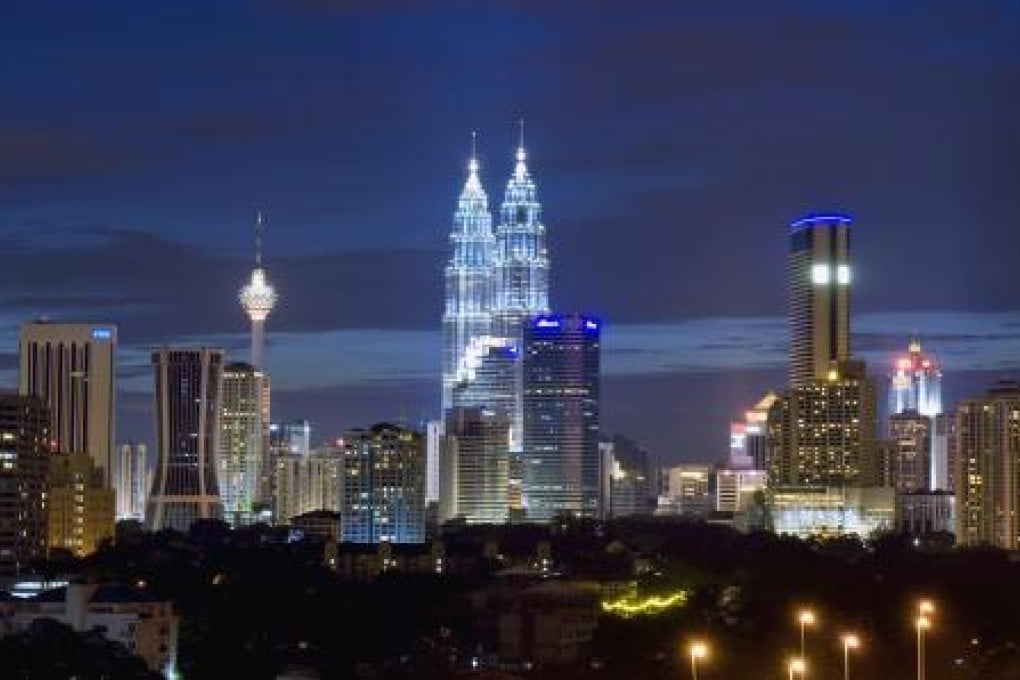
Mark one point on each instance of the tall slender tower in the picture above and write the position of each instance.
(819, 296)
(468, 277)
(521, 268)
(258, 298)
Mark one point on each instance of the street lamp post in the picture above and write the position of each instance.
(925, 610)
(805, 618)
(797, 666)
(850, 641)
(699, 650)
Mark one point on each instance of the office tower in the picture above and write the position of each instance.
(819, 276)
(916, 383)
(910, 435)
(305, 483)
(685, 490)
(560, 377)
(823, 432)
(81, 506)
(383, 486)
(72, 368)
(292, 437)
(258, 298)
(132, 480)
(466, 314)
(242, 459)
(187, 407)
(624, 478)
(756, 434)
(735, 488)
(739, 459)
(25, 453)
(434, 434)
(521, 267)
(477, 460)
(987, 474)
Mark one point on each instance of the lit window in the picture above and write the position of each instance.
(820, 274)
(843, 274)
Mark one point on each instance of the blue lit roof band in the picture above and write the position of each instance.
(809, 221)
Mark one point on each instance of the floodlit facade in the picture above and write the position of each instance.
(521, 267)
(910, 436)
(24, 469)
(292, 437)
(925, 512)
(132, 479)
(304, 484)
(81, 506)
(467, 312)
(735, 489)
(258, 298)
(477, 451)
(987, 461)
(684, 490)
(560, 369)
(624, 479)
(819, 277)
(916, 383)
(383, 486)
(187, 407)
(819, 511)
(72, 367)
(242, 460)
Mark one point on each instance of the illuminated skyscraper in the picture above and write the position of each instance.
(819, 277)
(521, 271)
(187, 405)
(560, 367)
(25, 455)
(72, 368)
(242, 460)
(910, 435)
(132, 480)
(468, 277)
(916, 383)
(477, 451)
(258, 298)
(81, 505)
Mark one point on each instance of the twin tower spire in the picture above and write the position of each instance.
(495, 278)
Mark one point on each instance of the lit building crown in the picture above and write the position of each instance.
(258, 297)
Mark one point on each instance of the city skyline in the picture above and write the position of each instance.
(97, 211)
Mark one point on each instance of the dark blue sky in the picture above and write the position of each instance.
(671, 143)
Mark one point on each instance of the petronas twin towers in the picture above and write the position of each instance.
(495, 279)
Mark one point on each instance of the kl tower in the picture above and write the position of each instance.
(257, 298)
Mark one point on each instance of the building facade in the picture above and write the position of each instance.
(383, 486)
(478, 460)
(819, 276)
(910, 437)
(132, 480)
(243, 454)
(560, 369)
(987, 462)
(81, 506)
(72, 367)
(258, 298)
(187, 408)
(308, 483)
(25, 450)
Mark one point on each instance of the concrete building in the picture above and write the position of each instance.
(477, 454)
(25, 449)
(919, 513)
(243, 451)
(910, 436)
(132, 480)
(819, 511)
(81, 506)
(72, 368)
(735, 489)
(187, 408)
(383, 485)
(685, 490)
(304, 484)
(625, 479)
(987, 462)
(141, 622)
(560, 367)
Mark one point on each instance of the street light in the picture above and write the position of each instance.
(699, 650)
(923, 623)
(805, 618)
(798, 666)
(850, 641)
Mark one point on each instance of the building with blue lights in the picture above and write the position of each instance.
(560, 377)
(819, 277)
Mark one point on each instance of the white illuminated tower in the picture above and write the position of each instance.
(466, 315)
(521, 269)
(258, 298)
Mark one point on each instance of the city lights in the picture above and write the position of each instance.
(628, 607)
(698, 651)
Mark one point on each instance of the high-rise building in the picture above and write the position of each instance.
(560, 369)
(684, 490)
(72, 368)
(467, 312)
(292, 437)
(187, 407)
(383, 486)
(81, 506)
(132, 480)
(258, 299)
(987, 461)
(823, 432)
(916, 383)
(756, 431)
(735, 489)
(25, 451)
(306, 483)
(910, 434)
(477, 451)
(624, 478)
(819, 296)
(521, 267)
(242, 459)
(434, 434)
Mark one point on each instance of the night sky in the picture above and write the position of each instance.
(671, 141)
